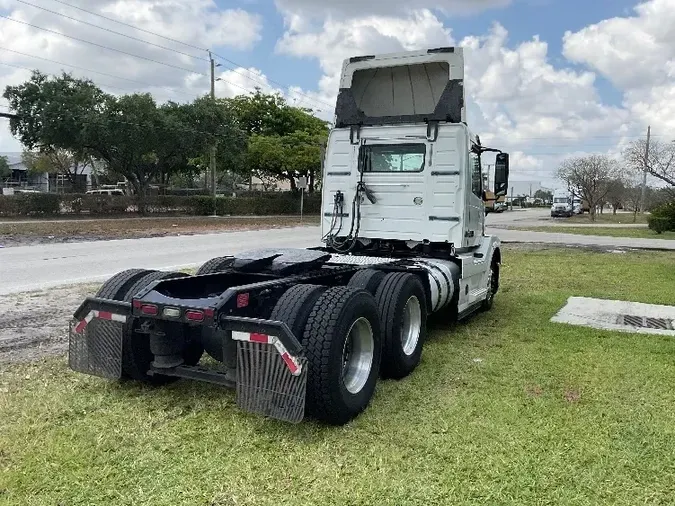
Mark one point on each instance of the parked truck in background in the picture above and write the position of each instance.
(301, 332)
(562, 204)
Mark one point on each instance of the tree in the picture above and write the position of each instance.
(616, 194)
(661, 160)
(52, 112)
(633, 198)
(57, 161)
(545, 195)
(285, 142)
(5, 171)
(589, 177)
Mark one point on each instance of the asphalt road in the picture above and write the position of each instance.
(27, 268)
(36, 267)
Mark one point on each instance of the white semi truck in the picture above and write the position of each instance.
(310, 331)
(562, 206)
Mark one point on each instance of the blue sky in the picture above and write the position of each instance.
(524, 19)
(542, 99)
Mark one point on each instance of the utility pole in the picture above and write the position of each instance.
(643, 196)
(213, 146)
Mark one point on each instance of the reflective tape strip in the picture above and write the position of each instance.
(79, 328)
(291, 362)
(103, 315)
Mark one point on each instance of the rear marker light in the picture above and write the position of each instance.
(209, 312)
(195, 316)
(149, 309)
(136, 304)
(242, 300)
(172, 312)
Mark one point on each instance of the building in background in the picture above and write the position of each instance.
(24, 179)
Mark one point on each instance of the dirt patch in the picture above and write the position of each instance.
(35, 324)
(572, 396)
(27, 233)
(534, 390)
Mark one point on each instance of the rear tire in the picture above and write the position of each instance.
(117, 286)
(343, 348)
(220, 264)
(402, 306)
(367, 279)
(294, 307)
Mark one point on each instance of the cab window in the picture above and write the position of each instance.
(476, 174)
(392, 158)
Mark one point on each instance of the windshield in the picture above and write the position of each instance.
(392, 158)
(560, 200)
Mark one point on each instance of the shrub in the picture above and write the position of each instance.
(260, 204)
(662, 218)
(256, 206)
(30, 204)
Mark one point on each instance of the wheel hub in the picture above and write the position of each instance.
(412, 325)
(357, 355)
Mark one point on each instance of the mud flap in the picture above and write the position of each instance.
(95, 337)
(97, 349)
(266, 386)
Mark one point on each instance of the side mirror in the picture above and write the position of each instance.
(501, 175)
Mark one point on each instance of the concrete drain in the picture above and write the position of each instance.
(645, 322)
(618, 315)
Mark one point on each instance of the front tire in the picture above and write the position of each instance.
(343, 349)
(492, 286)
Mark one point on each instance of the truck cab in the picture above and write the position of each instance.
(562, 205)
(401, 163)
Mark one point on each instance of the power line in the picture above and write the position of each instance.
(113, 31)
(109, 75)
(103, 46)
(130, 25)
(97, 72)
(30, 69)
(315, 100)
(310, 98)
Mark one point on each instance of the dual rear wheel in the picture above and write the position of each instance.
(354, 334)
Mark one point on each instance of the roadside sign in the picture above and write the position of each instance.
(302, 183)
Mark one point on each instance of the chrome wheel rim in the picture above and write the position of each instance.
(357, 355)
(412, 325)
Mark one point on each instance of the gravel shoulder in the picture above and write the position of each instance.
(34, 324)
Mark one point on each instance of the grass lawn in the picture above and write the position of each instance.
(608, 217)
(639, 232)
(507, 408)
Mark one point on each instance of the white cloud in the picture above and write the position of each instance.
(199, 23)
(299, 14)
(517, 99)
(637, 55)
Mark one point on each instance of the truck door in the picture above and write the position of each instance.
(475, 208)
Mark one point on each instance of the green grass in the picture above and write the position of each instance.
(638, 232)
(507, 408)
(608, 217)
